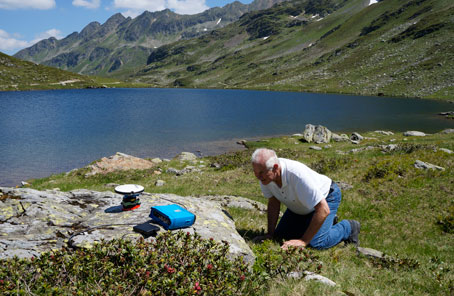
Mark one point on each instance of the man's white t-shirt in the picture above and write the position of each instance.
(302, 188)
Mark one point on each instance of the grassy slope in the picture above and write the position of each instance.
(325, 55)
(21, 75)
(397, 205)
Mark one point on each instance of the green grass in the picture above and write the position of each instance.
(404, 212)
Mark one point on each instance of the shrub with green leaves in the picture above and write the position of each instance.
(446, 221)
(174, 264)
(383, 169)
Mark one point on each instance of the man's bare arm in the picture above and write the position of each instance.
(321, 212)
(274, 206)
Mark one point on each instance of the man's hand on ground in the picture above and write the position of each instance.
(261, 238)
(293, 243)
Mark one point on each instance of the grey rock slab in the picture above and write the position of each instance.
(237, 202)
(20, 253)
(89, 216)
(315, 148)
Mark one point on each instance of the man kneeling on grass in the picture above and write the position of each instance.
(312, 200)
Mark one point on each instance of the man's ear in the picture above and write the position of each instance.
(275, 167)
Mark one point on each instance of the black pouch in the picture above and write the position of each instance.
(146, 229)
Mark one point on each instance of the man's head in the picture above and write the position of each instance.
(266, 165)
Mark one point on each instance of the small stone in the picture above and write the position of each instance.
(186, 156)
(315, 148)
(297, 135)
(242, 142)
(446, 150)
(427, 166)
(370, 252)
(157, 172)
(386, 133)
(215, 165)
(24, 184)
(159, 183)
(355, 142)
(388, 148)
(447, 131)
(414, 134)
(339, 138)
(327, 146)
(343, 185)
(313, 276)
(356, 137)
(156, 160)
(173, 171)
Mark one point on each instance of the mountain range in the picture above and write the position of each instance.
(365, 47)
(122, 44)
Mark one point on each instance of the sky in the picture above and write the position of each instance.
(25, 22)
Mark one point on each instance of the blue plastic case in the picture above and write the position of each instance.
(172, 216)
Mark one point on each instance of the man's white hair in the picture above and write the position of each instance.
(265, 156)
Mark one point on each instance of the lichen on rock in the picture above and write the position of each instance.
(38, 221)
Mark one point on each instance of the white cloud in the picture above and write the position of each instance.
(10, 43)
(150, 5)
(27, 4)
(187, 6)
(93, 4)
(45, 35)
(136, 7)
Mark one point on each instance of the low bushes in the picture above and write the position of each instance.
(174, 264)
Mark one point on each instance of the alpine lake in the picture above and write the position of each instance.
(48, 132)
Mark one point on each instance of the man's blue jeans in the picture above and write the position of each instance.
(293, 226)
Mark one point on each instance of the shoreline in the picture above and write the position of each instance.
(217, 148)
(308, 91)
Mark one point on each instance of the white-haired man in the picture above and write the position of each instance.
(312, 201)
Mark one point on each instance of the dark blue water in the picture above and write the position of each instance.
(46, 132)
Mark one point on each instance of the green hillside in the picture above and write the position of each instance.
(392, 48)
(16, 74)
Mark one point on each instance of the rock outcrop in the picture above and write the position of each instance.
(318, 134)
(118, 162)
(36, 221)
